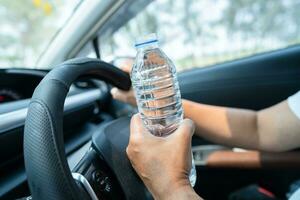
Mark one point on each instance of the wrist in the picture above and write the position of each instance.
(183, 193)
(177, 190)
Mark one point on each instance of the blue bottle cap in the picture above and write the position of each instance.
(146, 40)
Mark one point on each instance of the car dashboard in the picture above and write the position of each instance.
(17, 84)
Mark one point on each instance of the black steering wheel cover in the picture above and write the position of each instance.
(47, 170)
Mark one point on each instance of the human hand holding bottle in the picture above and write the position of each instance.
(165, 168)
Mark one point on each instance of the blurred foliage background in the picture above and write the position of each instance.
(197, 33)
(27, 26)
(194, 33)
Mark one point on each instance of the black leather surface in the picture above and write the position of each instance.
(46, 166)
(111, 142)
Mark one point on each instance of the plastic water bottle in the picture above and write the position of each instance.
(157, 90)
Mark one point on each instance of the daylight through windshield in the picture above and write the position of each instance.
(28, 26)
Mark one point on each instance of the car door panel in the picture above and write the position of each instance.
(254, 83)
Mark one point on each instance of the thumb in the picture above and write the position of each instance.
(137, 128)
(185, 131)
(119, 94)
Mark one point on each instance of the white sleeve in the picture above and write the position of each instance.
(294, 104)
(295, 195)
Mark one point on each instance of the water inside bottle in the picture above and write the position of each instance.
(157, 91)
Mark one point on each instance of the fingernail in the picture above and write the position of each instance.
(113, 91)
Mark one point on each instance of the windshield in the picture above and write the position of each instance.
(28, 26)
(204, 33)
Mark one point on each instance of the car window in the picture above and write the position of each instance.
(87, 51)
(197, 33)
(27, 28)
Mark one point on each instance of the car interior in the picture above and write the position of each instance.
(58, 118)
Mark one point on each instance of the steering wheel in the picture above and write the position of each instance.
(105, 171)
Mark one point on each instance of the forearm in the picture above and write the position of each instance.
(272, 129)
(228, 126)
(279, 128)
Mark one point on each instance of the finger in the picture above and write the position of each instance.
(126, 68)
(185, 130)
(119, 94)
(124, 96)
(137, 129)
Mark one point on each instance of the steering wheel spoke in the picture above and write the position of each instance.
(96, 175)
(85, 184)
